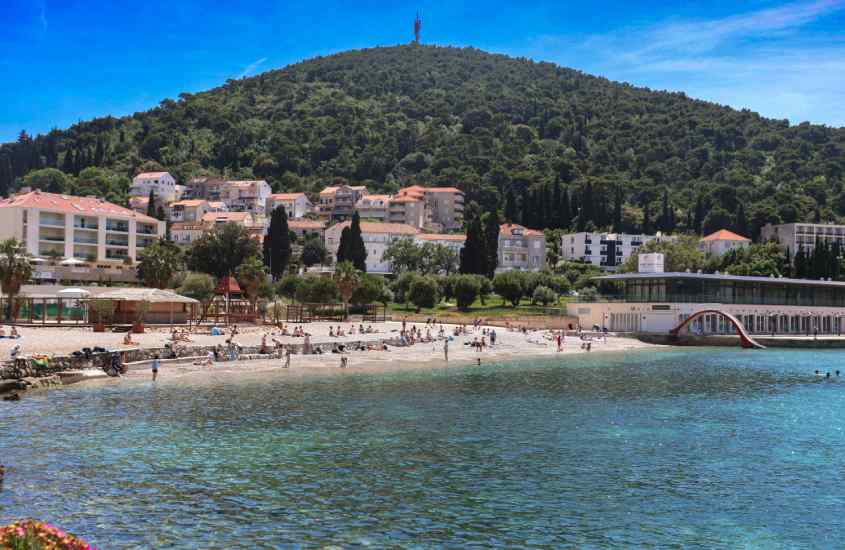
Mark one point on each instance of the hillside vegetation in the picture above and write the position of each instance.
(547, 146)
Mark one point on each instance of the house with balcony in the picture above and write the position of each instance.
(338, 203)
(247, 196)
(208, 188)
(373, 207)
(407, 210)
(188, 210)
(92, 238)
(162, 184)
(521, 249)
(444, 206)
(721, 242)
(296, 205)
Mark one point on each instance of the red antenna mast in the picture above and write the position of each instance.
(417, 26)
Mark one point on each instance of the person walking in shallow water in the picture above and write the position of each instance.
(446, 349)
(156, 364)
(287, 358)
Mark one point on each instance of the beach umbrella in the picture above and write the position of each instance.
(73, 292)
(72, 261)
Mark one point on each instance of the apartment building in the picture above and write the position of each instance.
(454, 242)
(521, 249)
(247, 196)
(78, 238)
(605, 250)
(338, 203)
(188, 210)
(793, 236)
(444, 206)
(376, 236)
(218, 218)
(208, 188)
(721, 242)
(162, 184)
(185, 233)
(373, 207)
(407, 210)
(296, 205)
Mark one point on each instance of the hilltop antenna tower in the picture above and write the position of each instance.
(417, 27)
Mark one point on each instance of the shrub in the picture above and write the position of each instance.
(485, 288)
(287, 286)
(36, 535)
(321, 290)
(402, 285)
(544, 295)
(508, 285)
(588, 294)
(466, 289)
(369, 290)
(424, 292)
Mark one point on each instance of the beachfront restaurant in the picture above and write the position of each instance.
(658, 302)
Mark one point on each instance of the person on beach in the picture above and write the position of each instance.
(14, 333)
(127, 340)
(492, 337)
(156, 364)
(15, 352)
(344, 362)
(287, 358)
(559, 343)
(446, 349)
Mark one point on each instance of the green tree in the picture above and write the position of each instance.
(544, 295)
(15, 270)
(47, 179)
(151, 205)
(474, 252)
(402, 286)
(199, 286)
(288, 285)
(317, 290)
(222, 250)
(491, 243)
(370, 290)
(277, 243)
(403, 255)
(680, 254)
(159, 264)
(424, 292)
(351, 246)
(252, 276)
(466, 289)
(313, 252)
(509, 285)
(347, 278)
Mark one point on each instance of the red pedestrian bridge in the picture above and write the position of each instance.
(744, 338)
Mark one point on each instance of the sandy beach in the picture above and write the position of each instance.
(510, 344)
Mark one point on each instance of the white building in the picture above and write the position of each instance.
(161, 184)
(296, 205)
(803, 235)
(605, 250)
(92, 237)
(373, 207)
(453, 242)
(722, 241)
(376, 236)
(521, 249)
(184, 233)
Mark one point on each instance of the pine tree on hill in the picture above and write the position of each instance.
(474, 255)
(351, 247)
(277, 250)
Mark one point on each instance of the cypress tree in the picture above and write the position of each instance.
(357, 250)
(699, 213)
(99, 153)
(68, 162)
(491, 241)
(151, 204)
(473, 258)
(564, 211)
(741, 224)
(587, 205)
(277, 249)
(800, 263)
(617, 209)
(665, 216)
(343, 254)
(647, 228)
(554, 221)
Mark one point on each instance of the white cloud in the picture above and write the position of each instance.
(249, 69)
(761, 60)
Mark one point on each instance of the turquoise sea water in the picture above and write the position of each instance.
(710, 448)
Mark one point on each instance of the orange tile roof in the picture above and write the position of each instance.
(147, 175)
(188, 202)
(725, 235)
(443, 190)
(286, 196)
(306, 224)
(188, 226)
(217, 204)
(507, 228)
(71, 204)
(405, 199)
(377, 227)
(441, 237)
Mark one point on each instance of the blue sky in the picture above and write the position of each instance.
(68, 60)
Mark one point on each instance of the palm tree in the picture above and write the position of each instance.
(347, 279)
(15, 270)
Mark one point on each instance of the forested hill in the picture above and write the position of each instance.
(548, 146)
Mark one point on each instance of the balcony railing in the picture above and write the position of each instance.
(117, 227)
